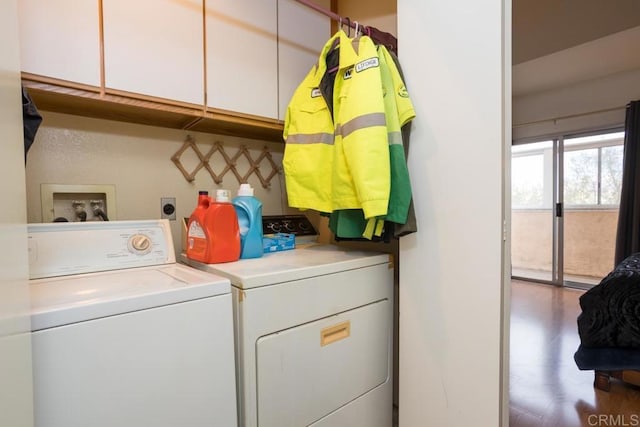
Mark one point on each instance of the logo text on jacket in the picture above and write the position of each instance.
(347, 74)
(367, 63)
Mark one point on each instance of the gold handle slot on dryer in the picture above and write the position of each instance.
(335, 333)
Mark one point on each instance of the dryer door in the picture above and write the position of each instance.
(309, 371)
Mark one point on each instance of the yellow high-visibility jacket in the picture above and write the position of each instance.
(337, 156)
(399, 110)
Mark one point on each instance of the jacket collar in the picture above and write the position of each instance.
(349, 51)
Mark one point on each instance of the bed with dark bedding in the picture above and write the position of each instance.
(609, 326)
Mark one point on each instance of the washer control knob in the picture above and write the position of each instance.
(304, 226)
(275, 227)
(140, 244)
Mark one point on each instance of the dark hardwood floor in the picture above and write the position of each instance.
(546, 387)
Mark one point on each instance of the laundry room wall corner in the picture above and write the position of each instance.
(16, 396)
(451, 271)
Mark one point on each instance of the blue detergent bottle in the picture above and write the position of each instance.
(249, 211)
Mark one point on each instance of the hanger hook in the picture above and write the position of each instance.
(348, 26)
(357, 27)
(340, 22)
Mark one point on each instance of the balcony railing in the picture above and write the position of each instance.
(589, 243)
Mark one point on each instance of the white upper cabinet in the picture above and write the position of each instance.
(61, 39)
(302, 32)
(242, 55)
(155, 47)
(248, 56)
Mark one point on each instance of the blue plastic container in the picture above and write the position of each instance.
(278, 242)
(249, 211)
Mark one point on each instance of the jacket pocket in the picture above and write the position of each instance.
(313, 115)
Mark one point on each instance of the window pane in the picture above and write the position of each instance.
(527, 181)
(603, 138)
(611, 175)
(531, 148)
(581, 177)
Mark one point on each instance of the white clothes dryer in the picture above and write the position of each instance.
(122, 335)
(313, 332)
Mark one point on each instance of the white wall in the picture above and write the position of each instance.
(451, 271)
(16, 408)
(576, 107)
(136, 159)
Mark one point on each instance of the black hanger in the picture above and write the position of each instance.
(348, 26)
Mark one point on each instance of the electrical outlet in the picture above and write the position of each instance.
(168, 208)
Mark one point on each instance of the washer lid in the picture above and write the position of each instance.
(70, 299)
(300, 263)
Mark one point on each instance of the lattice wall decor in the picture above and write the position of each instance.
(230, 163)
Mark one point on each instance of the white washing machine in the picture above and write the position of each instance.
(122, 335)
(313, 337)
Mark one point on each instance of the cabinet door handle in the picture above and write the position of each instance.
(335, 333)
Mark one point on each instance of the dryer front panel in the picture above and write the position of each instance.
(307, 372)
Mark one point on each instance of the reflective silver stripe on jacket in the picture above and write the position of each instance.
(310, 138)
(395, 138)
(368, 120)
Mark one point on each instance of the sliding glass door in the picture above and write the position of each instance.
(565, 197)
(532, 220)
(592, 180)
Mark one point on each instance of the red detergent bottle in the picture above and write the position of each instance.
(196, 235)
(213, 233)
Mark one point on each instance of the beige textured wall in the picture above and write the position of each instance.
(589, 241)
(137, 160)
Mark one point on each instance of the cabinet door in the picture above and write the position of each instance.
(61, 39)
(155, 47)
(302, 32)
(242, 56)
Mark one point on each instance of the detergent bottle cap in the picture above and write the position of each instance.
(245, 190)
(222, 195)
